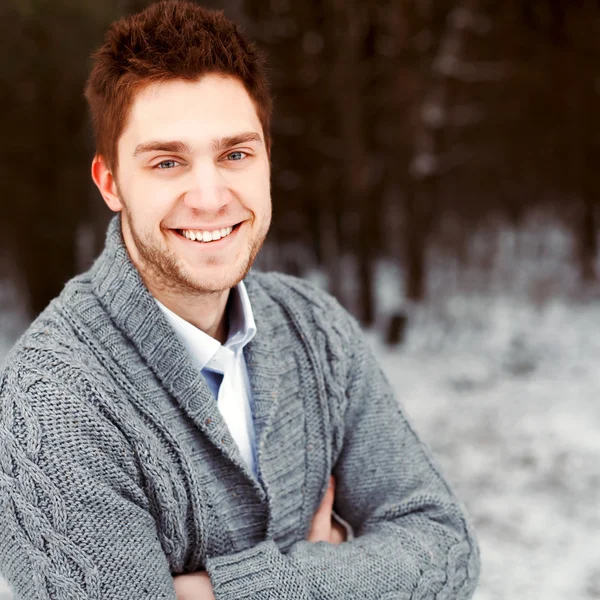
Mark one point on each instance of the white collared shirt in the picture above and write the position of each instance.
(234, 397)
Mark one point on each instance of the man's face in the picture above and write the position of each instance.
(193, 164)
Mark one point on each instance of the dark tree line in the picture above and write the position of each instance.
(391, 117)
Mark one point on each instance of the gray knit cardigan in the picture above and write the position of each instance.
(117, 470)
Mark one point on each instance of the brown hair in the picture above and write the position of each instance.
(171, 39)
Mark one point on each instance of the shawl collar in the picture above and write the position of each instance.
(123, 294)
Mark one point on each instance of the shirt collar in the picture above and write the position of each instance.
(242, 327)
(201, 346)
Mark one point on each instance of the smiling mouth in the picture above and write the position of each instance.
(207, 237)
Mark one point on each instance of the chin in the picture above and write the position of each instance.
(217, 279)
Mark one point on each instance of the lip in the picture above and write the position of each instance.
(207, 227)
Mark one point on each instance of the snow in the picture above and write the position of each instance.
(507, 399)
(505, 391)
(13, 320)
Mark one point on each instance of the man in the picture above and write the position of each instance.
(171, 423)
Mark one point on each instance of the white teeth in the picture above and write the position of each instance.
(206, 236)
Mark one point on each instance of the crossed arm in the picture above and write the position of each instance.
(197, 586)
(412, 538)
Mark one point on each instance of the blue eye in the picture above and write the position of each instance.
(166, 164)
(236, 156)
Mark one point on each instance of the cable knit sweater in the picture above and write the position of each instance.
(117, 470)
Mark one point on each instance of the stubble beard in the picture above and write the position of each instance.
(162, 269)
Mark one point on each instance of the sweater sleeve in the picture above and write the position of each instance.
(74, 520)
(413, 538)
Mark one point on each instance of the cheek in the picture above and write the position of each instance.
(260, 190)
(152, 200)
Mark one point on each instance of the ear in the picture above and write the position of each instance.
(106, 183)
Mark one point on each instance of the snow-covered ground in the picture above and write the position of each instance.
(507, 397)
(505, 389)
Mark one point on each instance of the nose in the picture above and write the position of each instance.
(206, 189)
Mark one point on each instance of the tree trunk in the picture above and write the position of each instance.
(415, 236)
(367, 305)
(588, 244)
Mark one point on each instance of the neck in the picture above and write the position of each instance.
(207, 312)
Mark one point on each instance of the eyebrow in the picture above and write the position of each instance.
(180, 147)
(233, 140)
(162, 146)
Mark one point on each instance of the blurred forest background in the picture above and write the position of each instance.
(404, 130)
(434, 162)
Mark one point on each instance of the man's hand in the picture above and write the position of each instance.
(194, 586)
(324, 528)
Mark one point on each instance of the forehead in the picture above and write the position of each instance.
(200, 111)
